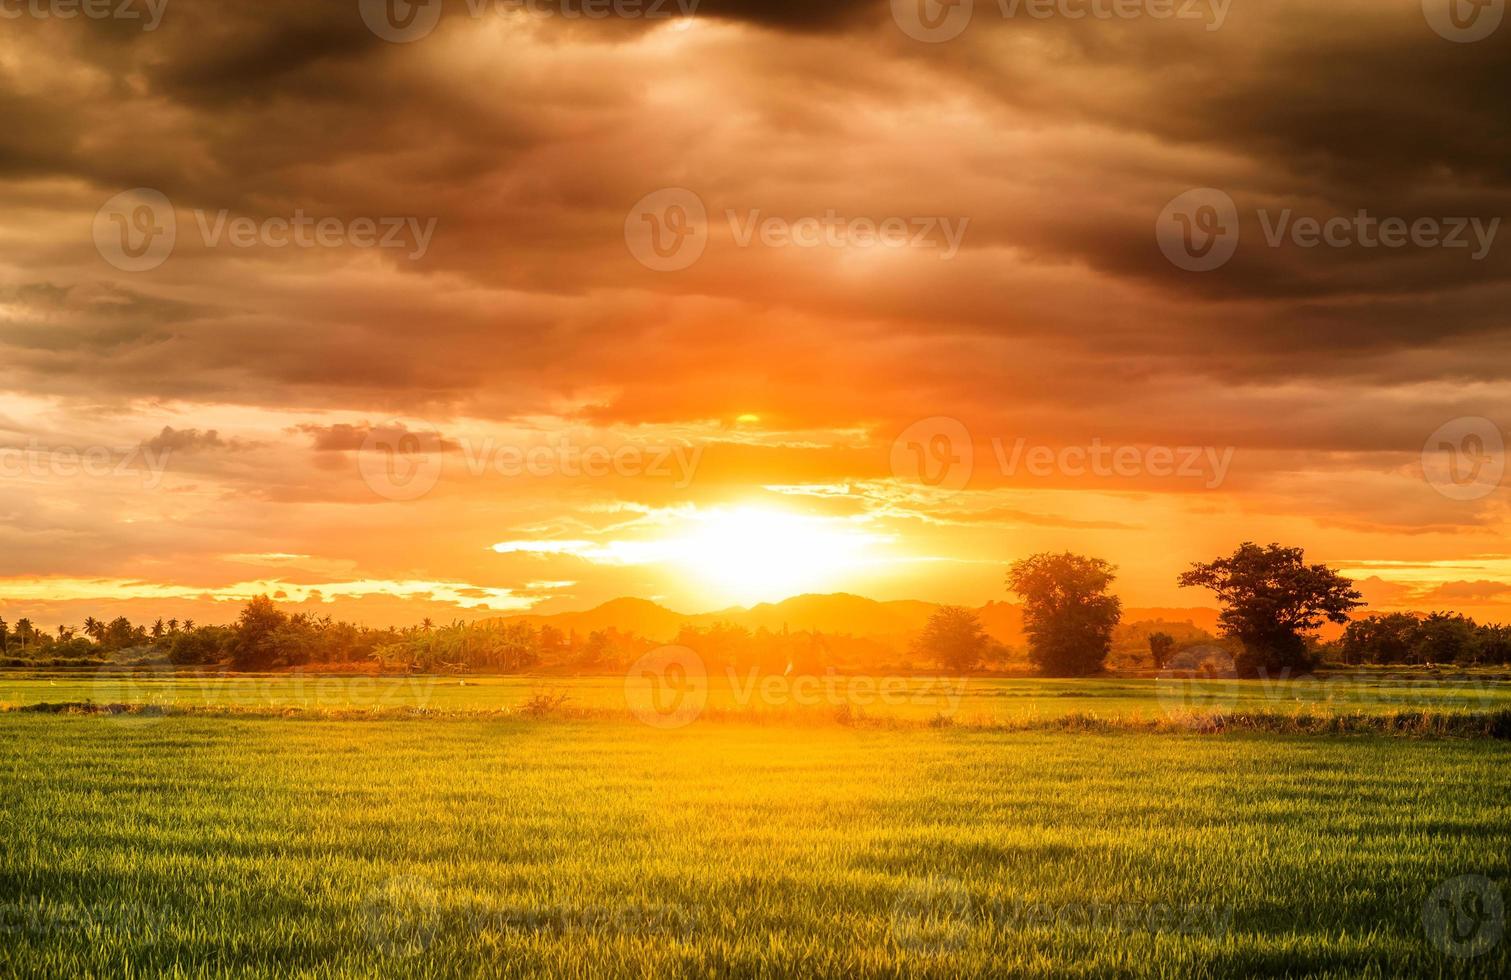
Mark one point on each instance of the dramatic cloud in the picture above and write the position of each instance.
(469, 250)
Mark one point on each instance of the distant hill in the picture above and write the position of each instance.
(626, 615)
(892, 622)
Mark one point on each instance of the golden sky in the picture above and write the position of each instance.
(526, 309)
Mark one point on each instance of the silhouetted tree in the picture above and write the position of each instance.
(254, 646)
(119, 634)
(954, 639)
(1272, 601)
(1161, 646)
(1068, 614)
(1381, 639)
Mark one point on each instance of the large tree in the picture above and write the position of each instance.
(254, 645)
(1067, 612)
(1272, 601)
(1161, 649)
(954, 639)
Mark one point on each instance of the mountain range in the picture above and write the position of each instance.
(893, 622)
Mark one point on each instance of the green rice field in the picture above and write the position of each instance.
(260, 844)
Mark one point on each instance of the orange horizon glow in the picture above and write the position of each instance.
(538, 415)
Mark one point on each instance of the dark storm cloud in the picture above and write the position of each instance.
(527, 140)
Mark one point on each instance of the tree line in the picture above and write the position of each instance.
(1273, 603)
(1272, 600)
(265, 637)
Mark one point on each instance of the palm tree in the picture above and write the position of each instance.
(172, 626)
(188, 626)
(93, 628)
(157, 629)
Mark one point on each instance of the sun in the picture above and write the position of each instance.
(755, 554)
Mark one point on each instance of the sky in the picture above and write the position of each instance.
(451, 310)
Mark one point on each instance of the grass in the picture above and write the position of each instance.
(972, 701)
(229, 846)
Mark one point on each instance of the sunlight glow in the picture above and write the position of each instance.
(741, 555)
(760, 555)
